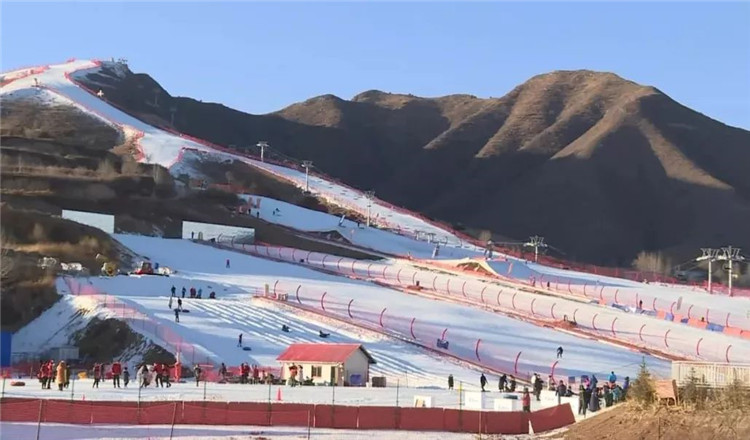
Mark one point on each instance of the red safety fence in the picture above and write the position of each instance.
(552, 418)
(283, 414)
(21, 73)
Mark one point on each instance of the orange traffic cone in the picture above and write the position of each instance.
(278, 395)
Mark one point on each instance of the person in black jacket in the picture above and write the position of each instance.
(483, 381)
(450, 381)
(503, 382)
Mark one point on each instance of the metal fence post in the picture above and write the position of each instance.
(174, 419)
(39, 421)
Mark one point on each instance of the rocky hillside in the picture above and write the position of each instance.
(601, 166)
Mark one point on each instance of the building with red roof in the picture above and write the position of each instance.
(325, 364)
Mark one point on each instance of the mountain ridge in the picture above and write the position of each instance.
(628, 168)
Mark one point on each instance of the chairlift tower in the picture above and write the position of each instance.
(536, 242)
(731, 255)
(306, 164)
(369, 195)
(262, 145)
(710, 255)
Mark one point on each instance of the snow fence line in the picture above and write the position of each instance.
(527, 304)
(284, 414)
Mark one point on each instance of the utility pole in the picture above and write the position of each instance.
(369, 195)
(536, 242)
(306, 164)
(262, 145)
(710, 255)
(731, 255)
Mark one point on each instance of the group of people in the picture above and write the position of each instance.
(157, 373)
(198, 294)
(194, 293)
(248, 374)
(49, 373)
(590, 395)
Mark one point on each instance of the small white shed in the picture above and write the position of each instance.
(342, 364)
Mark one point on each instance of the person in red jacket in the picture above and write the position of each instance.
(50, 373)
(44, 373)
(97, 375)
(256, 374)
(158, 370)
(116, 372)
(177, 371)
(526, 400)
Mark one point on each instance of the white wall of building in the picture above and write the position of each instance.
(357, 363)
(105, 222)
(208, 231)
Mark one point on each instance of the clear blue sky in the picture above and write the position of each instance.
(260, 57)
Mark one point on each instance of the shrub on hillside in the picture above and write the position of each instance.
(643, 390)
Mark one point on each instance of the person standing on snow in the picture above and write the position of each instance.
(197, 373)
(239, 341)
(97, 375)
(483, 381)
(125, 376)
(60, 375)
(526, 400)
(559, 352)
(502, 383)
(538, 385)
(116, 371)
(157, 376)
(450, 381)
(512, 384)
(560, 391)
(176, 315)
(173, 290)
(582, 404)
(179, 304)
(67, 376)
(183, 291)
(223, 371)
(227, 263)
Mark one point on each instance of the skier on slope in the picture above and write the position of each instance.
(239, 340)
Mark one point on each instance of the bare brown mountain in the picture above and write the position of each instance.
(601, 166)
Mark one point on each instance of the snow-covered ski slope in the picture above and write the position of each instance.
(307, 220)
(215, 325)
(671, 299)
(624, 325)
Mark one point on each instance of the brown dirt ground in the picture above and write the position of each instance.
(628, 423)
